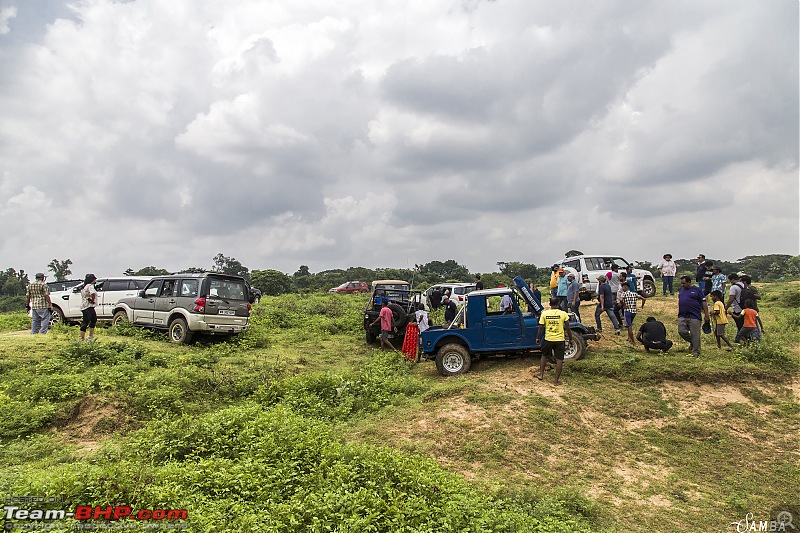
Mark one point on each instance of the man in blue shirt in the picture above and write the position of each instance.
(561, 291)
(605, 304)
(573, 295)
(691, 305)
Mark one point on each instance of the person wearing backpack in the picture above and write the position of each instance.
(749, 293)
(735, 301)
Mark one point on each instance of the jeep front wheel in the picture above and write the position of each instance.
(576, 348)
(453, 359)
(179, 332)
(648, 288)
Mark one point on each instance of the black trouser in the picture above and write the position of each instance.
(89, 318)
(657, 345)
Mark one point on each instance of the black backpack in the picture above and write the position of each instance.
(746, 294)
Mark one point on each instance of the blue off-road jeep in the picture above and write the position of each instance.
(480, 330)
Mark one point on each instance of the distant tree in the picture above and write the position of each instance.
(768, 267)
(448, 270)
(646, 265)
(128, 272)
(492, 280)
(573, 253)
(272, 282)
(193, 270)
(13, 283)
(60, 268)
(529, 272)
(229, 265)
(148, 271)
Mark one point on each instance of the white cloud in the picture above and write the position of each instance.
(364, 133)
(6, 14)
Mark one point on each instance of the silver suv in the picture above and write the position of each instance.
(186, 304)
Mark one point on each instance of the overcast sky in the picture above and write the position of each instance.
(384, 134)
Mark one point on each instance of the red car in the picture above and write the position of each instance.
(349, 287)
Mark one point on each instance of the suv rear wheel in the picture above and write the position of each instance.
(179, 332)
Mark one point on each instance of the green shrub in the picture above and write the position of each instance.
(15, 321)
(20, 418)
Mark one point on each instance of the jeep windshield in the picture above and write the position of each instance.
(231, 289)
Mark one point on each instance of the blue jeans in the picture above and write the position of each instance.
(599, 311)
(668, 284)
(40, 322)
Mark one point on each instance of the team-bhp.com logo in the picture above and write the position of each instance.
(25, 518)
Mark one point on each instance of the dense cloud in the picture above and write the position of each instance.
(161, 133)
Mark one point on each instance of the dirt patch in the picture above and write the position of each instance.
(691, 398)
(91, 419)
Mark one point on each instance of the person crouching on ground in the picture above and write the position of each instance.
(386, 319)
(553, 324)
(653, 335)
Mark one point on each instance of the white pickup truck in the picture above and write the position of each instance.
(67, 304)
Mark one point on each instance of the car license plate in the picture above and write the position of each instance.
(227, 312)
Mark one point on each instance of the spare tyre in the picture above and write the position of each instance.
(399, 316)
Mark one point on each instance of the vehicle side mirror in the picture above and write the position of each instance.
(141, 293)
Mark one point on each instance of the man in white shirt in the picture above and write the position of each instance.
(668, 268)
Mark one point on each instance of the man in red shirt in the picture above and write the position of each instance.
(387, 325)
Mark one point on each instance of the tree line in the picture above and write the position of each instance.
(761, 268)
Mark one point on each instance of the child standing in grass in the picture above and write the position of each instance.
(629, 299)
(752, 322)
(720, 318)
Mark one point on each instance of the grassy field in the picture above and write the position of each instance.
(298, 426)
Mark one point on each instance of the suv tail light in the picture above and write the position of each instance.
(585, 278)
(248, 308)
(200, 305)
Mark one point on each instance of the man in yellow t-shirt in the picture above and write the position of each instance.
(720, 318)
(553, 324)
(554, 280)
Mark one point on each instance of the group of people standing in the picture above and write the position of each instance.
(39, 305)
(697, 305)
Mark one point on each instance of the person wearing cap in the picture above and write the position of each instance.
(88, 304)
(718, 280)
(450, 309)
(37, 301)
(605, 304)
(554, 281)
(561, 291)
(668, 269)
(573, 295)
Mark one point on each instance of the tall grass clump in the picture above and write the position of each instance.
(245, 468)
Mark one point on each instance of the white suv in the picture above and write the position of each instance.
(67, 303)
(458, 292)
(588, 267)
